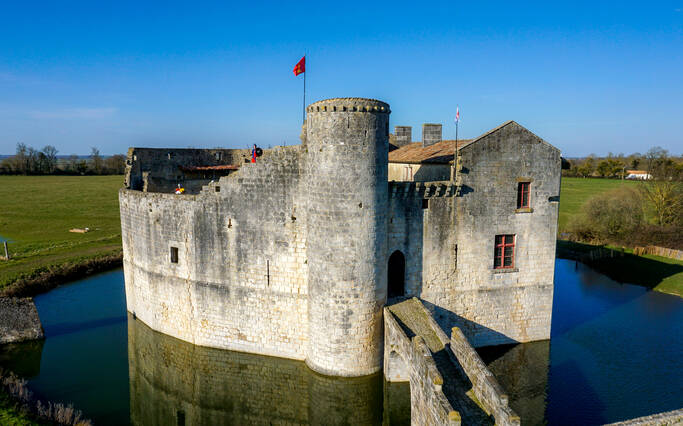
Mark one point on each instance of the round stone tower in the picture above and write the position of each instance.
(347, 192)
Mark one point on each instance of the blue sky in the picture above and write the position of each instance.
(589, 77)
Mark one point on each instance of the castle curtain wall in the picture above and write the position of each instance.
(406, 221)
(158, 170)
(241, 279)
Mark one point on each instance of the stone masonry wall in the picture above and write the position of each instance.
(484, 384)
(661, 419)
(411, 225)
(347, 199)
(161, 165)
(19, 320)
(460, 285)
(241, 278)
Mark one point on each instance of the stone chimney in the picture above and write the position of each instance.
(404, 135)
(431, 134)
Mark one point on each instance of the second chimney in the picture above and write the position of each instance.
(431, 134)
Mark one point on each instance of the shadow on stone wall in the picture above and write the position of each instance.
(447, 319)
(174, 382)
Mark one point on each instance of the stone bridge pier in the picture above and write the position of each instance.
(449, 383)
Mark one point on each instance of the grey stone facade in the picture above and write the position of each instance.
(289, 256)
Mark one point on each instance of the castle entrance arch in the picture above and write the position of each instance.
(397, 274)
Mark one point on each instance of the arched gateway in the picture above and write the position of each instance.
(397, 274)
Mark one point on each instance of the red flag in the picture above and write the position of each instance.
(300, 66)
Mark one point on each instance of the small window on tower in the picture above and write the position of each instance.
(504, 252)
(174, 254)
(523, 195)
(425, 203)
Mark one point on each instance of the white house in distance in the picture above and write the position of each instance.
(638, 175)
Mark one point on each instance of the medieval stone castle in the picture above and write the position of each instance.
(295, 255)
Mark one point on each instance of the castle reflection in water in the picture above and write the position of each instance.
(175, 382)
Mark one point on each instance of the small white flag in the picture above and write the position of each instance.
(457, 114)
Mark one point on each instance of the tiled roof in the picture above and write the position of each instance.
(439, 153)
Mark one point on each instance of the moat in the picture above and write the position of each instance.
(614, 354)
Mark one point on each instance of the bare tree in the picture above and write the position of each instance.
(21, 158)
(664, 190)
(116, 164)
(33, 161)
(50, 159)
(72, 163)
(96, 159)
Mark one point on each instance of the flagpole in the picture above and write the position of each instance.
(455, 148)
(304, 111)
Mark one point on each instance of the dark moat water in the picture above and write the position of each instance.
(615, 353)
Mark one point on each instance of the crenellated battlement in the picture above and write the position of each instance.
(349, 105)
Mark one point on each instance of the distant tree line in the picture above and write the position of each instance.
(30, 161)
(613, 166)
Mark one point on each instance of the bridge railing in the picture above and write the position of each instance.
(484, 384)
(429, 404)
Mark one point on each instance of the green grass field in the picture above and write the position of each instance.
(575, 192)
(38, 211)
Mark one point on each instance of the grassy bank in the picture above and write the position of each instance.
(36, 215)
(657, 273)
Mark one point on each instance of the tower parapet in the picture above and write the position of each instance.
(348, 143)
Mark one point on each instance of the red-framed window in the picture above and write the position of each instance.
(504, 253)
(523, 195)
